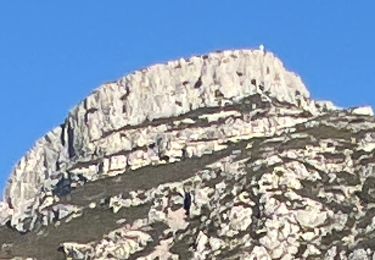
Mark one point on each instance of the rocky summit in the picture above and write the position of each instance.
(220, 156)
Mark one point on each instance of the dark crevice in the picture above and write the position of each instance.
(198, 84)
(62, 136)
(254, 82)
(71, 150)
(63, 187)
(89, 111)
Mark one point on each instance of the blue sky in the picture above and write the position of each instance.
(53, 55)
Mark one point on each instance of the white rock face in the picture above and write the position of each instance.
(222, 156)
(202, 240)
(311, 217)
(93, 128)
(240, 218)
(367, 111)
(5, 213)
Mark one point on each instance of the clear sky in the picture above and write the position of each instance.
(53, 55)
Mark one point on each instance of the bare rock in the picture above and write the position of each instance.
(270, 173)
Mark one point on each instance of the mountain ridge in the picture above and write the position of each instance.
(234, 129)
(85, 107)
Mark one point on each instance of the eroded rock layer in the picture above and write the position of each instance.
(222, 156)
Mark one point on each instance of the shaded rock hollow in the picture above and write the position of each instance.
(271, 172)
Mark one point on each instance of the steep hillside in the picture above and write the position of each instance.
(221, 156)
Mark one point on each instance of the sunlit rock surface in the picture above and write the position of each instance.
(221, 156)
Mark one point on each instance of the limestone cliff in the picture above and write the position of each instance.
(222, 156)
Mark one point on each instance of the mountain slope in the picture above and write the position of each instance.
(270, 172)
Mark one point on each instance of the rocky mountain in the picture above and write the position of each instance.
(221, 156)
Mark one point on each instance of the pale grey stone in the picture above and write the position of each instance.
(271, 172)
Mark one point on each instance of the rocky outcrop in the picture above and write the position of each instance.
(270, 172)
